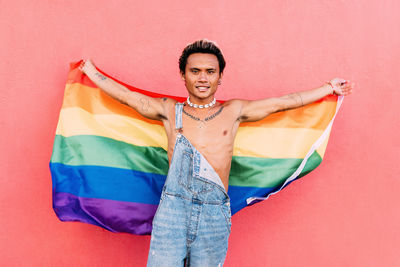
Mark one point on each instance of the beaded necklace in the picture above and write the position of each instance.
(209, 105)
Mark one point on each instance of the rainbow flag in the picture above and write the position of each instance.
(109, 163)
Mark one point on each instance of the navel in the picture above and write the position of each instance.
(225, 132)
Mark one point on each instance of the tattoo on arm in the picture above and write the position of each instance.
(101, 76)
(301, 99)
(145, 104)
(296, 97)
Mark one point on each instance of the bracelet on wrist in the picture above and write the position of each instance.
(333, 88)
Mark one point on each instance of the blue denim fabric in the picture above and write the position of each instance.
(193, 220)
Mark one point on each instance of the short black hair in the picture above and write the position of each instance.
(202, 46)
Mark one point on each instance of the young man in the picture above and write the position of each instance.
(192, 223)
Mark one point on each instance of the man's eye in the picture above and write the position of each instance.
(211, 71)
(194, 71)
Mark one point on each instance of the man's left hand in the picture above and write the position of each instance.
(341, 86)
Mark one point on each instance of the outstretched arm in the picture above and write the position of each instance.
(149, 107)
(258, 109)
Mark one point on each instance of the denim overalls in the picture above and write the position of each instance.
(193, 220)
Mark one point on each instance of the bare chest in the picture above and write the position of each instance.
(211, 134)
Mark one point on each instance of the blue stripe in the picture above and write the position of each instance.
(132, 186)
(239, 194)
(107, 183)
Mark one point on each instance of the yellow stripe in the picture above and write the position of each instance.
(322, 148)
(76, 121)
(274, 142)
(249, 142)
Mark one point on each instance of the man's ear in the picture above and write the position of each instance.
(183, 76)
(220, 77)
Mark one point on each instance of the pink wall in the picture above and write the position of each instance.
(343, 214)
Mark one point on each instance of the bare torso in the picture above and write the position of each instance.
(213, 138)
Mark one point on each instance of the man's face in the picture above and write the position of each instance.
(201, 76)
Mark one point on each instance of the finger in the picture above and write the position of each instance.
(348, 91)
(349, 85)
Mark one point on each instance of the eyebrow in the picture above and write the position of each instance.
(206, 69)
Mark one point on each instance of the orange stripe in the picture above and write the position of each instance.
(304, 117)
(95, 101)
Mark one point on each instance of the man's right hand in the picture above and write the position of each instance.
(86, 65)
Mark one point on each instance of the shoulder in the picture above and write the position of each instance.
(167, 101)
(167, 106)
(237, 104)
(234, 107)
(234, 103)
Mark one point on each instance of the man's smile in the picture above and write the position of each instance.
(202, 88)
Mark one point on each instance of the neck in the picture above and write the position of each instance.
(201, 101)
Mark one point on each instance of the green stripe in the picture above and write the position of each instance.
(266, 172)
(102, 151)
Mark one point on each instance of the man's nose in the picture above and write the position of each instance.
(203, 77)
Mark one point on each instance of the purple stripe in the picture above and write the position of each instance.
(115, 216)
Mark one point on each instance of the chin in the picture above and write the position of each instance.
(204, 94)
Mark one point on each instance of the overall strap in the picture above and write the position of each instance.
(178, 115)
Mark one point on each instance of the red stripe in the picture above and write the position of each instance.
(75, 75)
